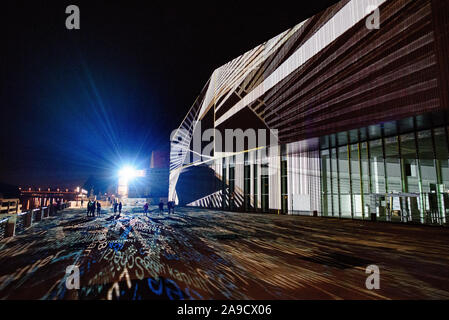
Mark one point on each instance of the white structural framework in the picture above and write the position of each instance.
(251, 76)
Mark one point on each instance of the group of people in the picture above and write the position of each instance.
(92, 206)
(117, 206)
(170, 207)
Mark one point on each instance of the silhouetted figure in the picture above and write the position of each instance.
(120, 208)
(171, 207)
(89, 208)
(161, 207)
(98, 208)
(145, 208)
(115, 207)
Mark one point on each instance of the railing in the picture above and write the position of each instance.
(19, 223)
(3, 227)
(10, 206)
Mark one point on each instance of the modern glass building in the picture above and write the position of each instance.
(398, 170)
(356, 99)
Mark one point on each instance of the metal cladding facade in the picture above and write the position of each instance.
(328, 83)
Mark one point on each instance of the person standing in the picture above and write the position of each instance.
(145, 208)
(115, 206)
(120, 208)
(92, 208)
(98, 208)
(161, 207)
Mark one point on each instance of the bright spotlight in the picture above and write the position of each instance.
(128, 173)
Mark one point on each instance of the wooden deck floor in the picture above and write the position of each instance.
(202, 254)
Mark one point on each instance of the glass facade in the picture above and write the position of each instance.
(397, 173)
(264, 192)
(284, 181)
(255, 187)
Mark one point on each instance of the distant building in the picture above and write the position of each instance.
(152, 182)
(159, 160)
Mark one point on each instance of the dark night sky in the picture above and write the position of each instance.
(81, 102)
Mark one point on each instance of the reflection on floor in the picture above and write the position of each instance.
(203, 254)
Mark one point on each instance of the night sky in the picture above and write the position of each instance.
(76, 103)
